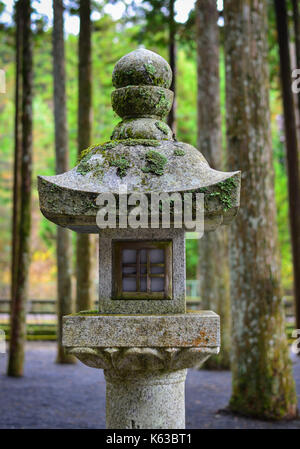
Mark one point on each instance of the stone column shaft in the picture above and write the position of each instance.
(145, 400)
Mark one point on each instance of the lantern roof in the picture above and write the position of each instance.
(142, 155)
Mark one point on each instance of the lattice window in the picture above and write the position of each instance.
(143, 270)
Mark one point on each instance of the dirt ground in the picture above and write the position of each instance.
(73, 396)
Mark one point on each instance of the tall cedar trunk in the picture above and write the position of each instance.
(83, 256)
(296, 21)
(18, 312)
(213, 267)
(291, 147)
(172, 60)
(18, 149)
(63, 241)
(263, 385)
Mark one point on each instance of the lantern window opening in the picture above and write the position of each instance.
(143, 269)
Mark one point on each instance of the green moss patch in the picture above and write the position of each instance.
(164, 103)
(162, 127)
(155, 163)
(94, 149)
(225, 192)
(86, 312)
(150, 69)
(86, 154)
(222, 192)
(122, 165)
(179, 152)
(85, 167)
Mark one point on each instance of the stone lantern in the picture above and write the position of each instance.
(142, 335)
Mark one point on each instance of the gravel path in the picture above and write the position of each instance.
(73, 396)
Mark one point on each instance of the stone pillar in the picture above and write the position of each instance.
(144, 339)
(144, 358)
(145, 400)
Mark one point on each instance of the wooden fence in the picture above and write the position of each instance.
(48, 306)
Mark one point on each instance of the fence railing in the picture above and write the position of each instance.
(48, 306)
(34, 306)
(41, 327)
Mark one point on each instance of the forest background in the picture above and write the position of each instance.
(111, 39)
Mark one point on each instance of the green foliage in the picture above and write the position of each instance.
(187, 98)
(47, 232)
(281, 192)
(110, 41)
(191, 258)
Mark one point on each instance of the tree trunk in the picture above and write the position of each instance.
(18, 150)
(263, 385)
(173, 65)
(291, 147)
(83, 254)
(213, 268)
(18, 311)
(63, 241)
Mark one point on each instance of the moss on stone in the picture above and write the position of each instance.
(122, 165)
(155, 163)
(156, 80)
(222, 191)
(83, 168)
(85, 154)
(127, 143)
(162, 127)
(225, 192)
(99, 148)
(179, 152)
(142, 67)
(150, 69)
(120, 162)
(142, 128)
(138, 101)
(163, 104)
(86, 312)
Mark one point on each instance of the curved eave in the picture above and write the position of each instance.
(77, 209)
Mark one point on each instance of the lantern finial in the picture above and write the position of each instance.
(142, 98)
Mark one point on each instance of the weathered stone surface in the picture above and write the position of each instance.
(143, 157)
(142, 67)
(135, 359)
(142, 128)
(142, 101)
(144, 346)
(193, 329)
(109, 305)
(145, 400)
(70, 199)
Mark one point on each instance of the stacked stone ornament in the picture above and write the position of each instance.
(142, 335)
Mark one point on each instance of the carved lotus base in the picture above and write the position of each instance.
(142, 342)
(142, 359)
